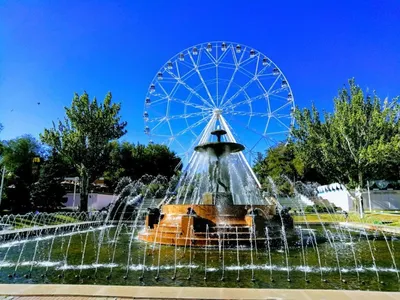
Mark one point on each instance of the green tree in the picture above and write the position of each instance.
(84, 138)
(359, 140)
(280, 162)
(161, 161)
(134, 161)
(312, 143)
(47, 194)
(115, 171)
(18, 158)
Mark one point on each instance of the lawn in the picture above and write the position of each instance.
(372, 218)
(21, 221)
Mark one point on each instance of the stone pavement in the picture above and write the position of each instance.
(75, 292)
(54, 298)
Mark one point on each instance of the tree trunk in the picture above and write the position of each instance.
(360, 179)
(84, 190)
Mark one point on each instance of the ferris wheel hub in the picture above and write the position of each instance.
(217, 111)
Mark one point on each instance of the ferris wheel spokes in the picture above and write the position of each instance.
(243, 88)
(230, 80)
(191, 90)
(201, 79)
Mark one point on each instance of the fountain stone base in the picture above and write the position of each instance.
(207, 224)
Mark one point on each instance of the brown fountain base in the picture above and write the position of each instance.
(207, 225)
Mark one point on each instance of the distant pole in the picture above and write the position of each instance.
(75, 180)
(2, 183)
(369, 197)
(360, 201)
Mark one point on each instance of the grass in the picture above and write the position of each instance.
(21, 222)
(371, 218)
(66, 219)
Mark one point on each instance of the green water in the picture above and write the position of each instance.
(304, 270)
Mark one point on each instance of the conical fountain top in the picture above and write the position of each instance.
(219, 148)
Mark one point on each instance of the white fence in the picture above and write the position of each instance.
(375, 200)
(340, 198)
(382, 200)
(95, 201)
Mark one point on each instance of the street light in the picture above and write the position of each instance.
(3, 173)
(360, 202)
(75, 180)
(35, 166)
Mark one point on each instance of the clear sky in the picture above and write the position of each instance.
(51, 49)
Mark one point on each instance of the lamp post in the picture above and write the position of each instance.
(75, 181)
(360, 201)
(35, 168)
(3, 173)
(369, 197)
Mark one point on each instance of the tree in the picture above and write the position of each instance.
(311, 134)
(18, 158)
(122, 163)
(84, 138)
(134, 161)
(161, 161)
(359, 140)
(280, 161)
(47, 194)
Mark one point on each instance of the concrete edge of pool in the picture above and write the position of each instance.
(137, 292)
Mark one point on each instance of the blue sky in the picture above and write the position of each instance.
(51, 49)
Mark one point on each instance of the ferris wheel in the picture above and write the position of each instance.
(219, 78)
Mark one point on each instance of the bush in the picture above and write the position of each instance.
(320, 209)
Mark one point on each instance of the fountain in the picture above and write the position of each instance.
(215, 214)
(214, 227)
(236, 250)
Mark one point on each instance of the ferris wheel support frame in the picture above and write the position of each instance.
(232, 138)
(217, 116)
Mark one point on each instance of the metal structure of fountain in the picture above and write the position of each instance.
(211, 215)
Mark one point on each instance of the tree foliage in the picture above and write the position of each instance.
(279, 164)
(17, 157)
(359, 140)
(84, 137)
(47, 194)
(136, 160)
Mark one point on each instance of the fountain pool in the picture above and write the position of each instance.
(106, 255)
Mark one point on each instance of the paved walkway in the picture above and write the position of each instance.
(75, 292)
